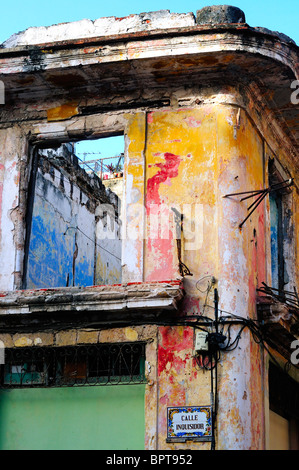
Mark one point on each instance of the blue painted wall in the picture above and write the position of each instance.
(59, 254)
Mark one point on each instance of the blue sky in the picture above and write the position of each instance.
(19, 15)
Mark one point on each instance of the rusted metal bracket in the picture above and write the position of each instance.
(261, 194)
(284, 296)
(184, 270)
(178, 217)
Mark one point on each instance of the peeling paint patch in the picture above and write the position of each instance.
(192, 122)
(173, 355)
(131, 334)
(61, 113)
(23, 341)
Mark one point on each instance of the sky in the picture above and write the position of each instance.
(18, 15)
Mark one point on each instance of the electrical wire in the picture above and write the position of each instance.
(93, 241)
(226, 323)
(209, 284)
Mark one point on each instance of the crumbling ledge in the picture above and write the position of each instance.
(141, 296)
(279, 324)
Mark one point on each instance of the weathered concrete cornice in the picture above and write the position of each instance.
(143, 44)
(144, 35)
(116, 298)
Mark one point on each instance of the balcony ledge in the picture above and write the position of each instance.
(280, 324)
(97, 303)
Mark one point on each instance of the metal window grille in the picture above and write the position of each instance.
(100, 364)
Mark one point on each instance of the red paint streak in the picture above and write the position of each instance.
(162, 246)
(171, 336)
(165, 356)
(172, 342)
(118, 18)
(172, 282)
(150, 118)
(169, 169)
(194, 369)
(169, 361)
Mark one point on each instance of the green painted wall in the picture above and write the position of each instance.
(87, 418)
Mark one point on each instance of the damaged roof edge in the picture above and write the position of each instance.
(144, 24)
(26, 51)
(105, 26)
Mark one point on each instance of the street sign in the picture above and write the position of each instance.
(189, 423)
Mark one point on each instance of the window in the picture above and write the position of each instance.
(277, 259)
(281, 227)
(73, 226)
(100, 364)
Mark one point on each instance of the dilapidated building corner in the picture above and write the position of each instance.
(190, 339)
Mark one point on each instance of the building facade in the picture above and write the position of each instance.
(169, 321)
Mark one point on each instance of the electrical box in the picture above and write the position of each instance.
(201, 341)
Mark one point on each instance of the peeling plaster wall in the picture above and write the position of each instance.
(241, 270)
(195, 157)
(108, 247)
(12, 150)
(133, 199)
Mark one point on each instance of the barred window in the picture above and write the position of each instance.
(100, 364)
